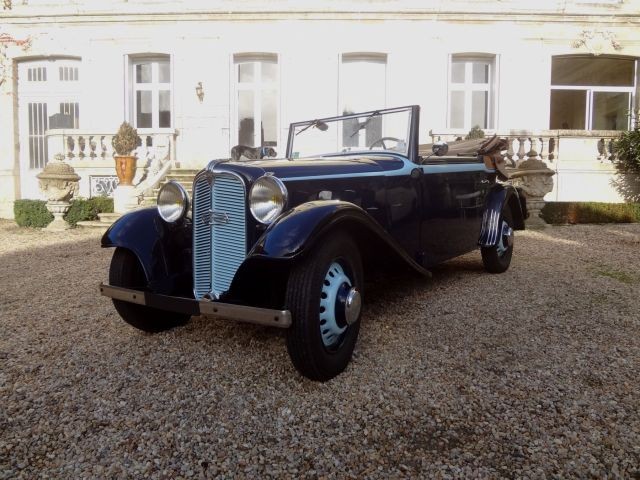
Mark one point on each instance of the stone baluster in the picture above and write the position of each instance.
(553, 149)
(544, 149)
(71, 144)
(106, 148)
(510, 152)
(93, 146)
(533, 152)
(601, 146)
(82, 146)
(520, 153)
(612, 149)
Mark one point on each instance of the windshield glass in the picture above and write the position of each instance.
(378, 131)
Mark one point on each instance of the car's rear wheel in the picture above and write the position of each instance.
(126, 272)
(496, 259)
(324, 297)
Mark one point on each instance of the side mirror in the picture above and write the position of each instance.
(321, 126)
(440, 148)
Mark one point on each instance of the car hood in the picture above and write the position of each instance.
(318, 166)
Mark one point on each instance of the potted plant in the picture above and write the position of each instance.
(124, 143)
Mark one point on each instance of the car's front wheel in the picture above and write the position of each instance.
(126, 272)
(496, 259)
(324, 295)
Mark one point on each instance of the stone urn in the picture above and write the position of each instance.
(534, 178)
(58, 182)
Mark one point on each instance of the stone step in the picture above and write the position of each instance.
(109, 217)
(104, 221)
(94, 224)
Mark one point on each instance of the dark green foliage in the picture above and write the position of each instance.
(559, 213)
(34, 213)
(627, 153)
(88, 209)
(31, 213)
(475, 133)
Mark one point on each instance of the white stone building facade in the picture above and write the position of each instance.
(197, 77)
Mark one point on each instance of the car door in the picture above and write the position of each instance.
(453, 192)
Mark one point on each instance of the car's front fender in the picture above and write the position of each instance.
(299, 231)
(164, 250)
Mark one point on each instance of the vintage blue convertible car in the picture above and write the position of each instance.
(287, 242)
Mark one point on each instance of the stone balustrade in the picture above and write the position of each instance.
(79, 145)
(91, 154)
(546, 145)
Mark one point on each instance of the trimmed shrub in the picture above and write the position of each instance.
(475, 133)
(126, 140)
(31, 213)
(88, 209)
(559, 213)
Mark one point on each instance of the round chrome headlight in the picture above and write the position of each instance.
(173, 202)
(267, 199)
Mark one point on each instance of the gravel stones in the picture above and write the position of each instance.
(529, 374)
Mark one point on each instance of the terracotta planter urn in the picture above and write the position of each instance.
(125, 169)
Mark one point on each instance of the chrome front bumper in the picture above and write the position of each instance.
(241, 313)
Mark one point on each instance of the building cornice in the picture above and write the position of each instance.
(129, 17)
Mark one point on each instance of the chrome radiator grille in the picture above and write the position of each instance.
(219, 231)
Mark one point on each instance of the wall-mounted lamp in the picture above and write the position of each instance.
(200, 92)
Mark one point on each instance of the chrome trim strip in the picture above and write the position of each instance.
(242, 313)
(406, 169)
(259, 316)
(124, 294)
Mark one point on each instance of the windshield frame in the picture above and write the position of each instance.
(414, 118)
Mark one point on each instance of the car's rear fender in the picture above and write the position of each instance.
(164, 250)
(499, 198)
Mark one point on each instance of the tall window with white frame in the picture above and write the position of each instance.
(151, 92)
(49, 98)
(471, 92)
(363, 87)
(257, 96)
(592, 93)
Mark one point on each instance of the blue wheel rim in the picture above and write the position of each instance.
(330, 330)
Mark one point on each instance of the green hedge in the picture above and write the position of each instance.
(88, 209)
(33, 213)
(559, 213)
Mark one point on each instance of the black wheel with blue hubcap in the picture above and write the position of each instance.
(496, 259)
(324, 295)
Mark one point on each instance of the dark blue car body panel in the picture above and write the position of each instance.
(163, 250)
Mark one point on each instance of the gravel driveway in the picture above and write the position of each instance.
(528, 374)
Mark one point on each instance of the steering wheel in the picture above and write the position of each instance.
(382, 140)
